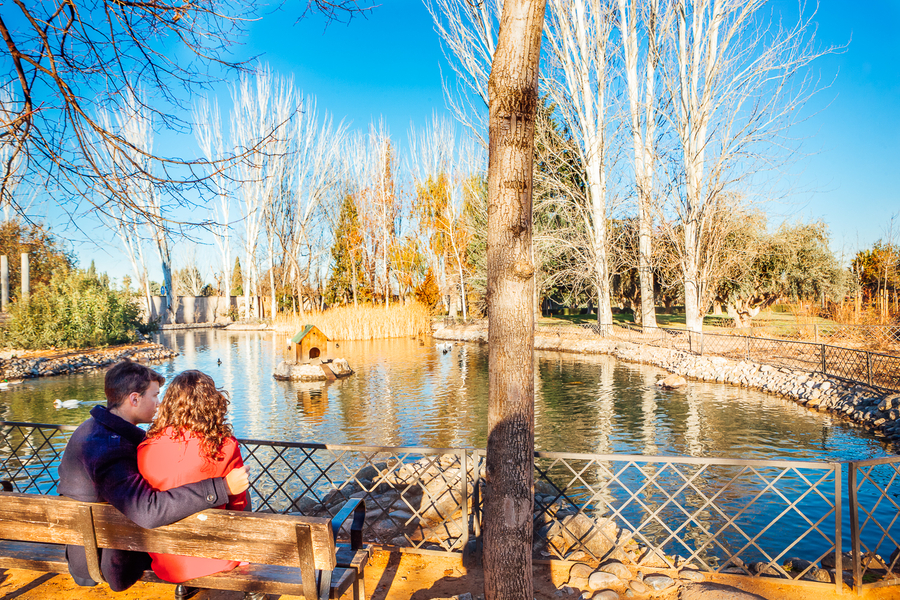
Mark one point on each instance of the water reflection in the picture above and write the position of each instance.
(407, 393)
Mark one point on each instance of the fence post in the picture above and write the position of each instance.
(868, 368)
(822, 356)
(816, 326)
(838, 549)
(854, 526)
(747, 341)
(701, 343)
(464, 497)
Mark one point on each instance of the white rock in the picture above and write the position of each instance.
(599, 580)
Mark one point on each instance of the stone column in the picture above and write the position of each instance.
(4, 282)
(26, 277)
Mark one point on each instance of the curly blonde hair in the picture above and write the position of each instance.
(193, 404)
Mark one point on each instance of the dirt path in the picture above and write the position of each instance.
(396, 576)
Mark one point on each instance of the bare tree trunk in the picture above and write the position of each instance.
(642, 138)
(509, 497)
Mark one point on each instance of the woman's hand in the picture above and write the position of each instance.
(237, 481)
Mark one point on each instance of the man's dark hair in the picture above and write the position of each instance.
(127, 377)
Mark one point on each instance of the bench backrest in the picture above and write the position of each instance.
(265, 538)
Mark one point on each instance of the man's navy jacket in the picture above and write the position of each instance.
(100, 465)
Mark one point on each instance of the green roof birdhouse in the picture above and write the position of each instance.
(309, 344)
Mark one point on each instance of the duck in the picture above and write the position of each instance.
(219, 362)
(66, 403)
(445, 347)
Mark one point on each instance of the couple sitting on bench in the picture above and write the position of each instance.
(187, 462)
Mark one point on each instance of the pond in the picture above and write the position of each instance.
(407, 393)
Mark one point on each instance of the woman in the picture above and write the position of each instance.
(190, 441)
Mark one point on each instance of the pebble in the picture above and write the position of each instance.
(638, 587)
(691, 575)
(659, 582)
(617, 569)
(581, 571)
(605, 595)
(599, 580)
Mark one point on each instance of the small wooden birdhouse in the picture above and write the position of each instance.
(309, 344)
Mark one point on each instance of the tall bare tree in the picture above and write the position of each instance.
(635, 25)
(736, 83)
(317, 174)
(469, 33)
(122, 166)
(264, 105)
(208, 129)
(509, 496)
(578, 36)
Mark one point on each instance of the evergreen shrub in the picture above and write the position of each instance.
(73, 310)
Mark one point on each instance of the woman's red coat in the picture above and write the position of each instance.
(166, 462)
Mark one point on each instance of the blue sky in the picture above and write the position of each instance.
(390, 64)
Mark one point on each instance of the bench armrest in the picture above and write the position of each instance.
(356, 507)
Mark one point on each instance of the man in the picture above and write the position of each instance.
(100, 464)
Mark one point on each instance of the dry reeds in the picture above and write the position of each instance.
(366, 322)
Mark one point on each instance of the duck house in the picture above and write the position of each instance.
(309, 344)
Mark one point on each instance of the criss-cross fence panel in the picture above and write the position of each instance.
(30, 453)
(875, 521)
(871, 368)
(754, 518)
(415, 497)
(778, 519)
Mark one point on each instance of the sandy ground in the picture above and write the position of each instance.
(396, 576)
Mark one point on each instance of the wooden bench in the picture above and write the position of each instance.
(288, 554)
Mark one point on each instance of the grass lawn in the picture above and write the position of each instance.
(676, 321)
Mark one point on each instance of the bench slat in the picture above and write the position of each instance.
(51, 558)
(33, 556)
(264, 538)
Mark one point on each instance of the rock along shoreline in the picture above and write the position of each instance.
(44, 364)
(873, 409)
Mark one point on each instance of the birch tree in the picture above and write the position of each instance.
(635, 25)
(509, 499)
(578, 39)
(263, 107)
(124, 164)
(208, 129)
(736, 83)
(318, 173)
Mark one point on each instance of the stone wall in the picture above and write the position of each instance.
(194, 309)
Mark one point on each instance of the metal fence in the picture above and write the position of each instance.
(875, 369)
(875, 337)
(756, 518)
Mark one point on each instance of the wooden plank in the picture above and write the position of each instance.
(48, 558)
(29, 517)
(232, 535)
(269, 579)
(329, 374)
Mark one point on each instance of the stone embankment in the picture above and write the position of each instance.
(862, 405)
(27, 365)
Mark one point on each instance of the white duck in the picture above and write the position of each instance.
(445, 347)
(66, 403)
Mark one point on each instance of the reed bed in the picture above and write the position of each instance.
(363, 322)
